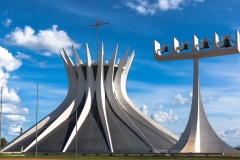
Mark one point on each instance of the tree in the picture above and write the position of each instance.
(238, 148)
(3, 142)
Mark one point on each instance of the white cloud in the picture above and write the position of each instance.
(14, 130)
(180, 100)
(144, 109)
(3, 78)
(11, 101)
(10, 108)
(231, 135)
(144, 7)
(13, 124)
(164, 117)
(19, 119)
(169, 4)
(7, 61)
(7, 23)
(45, 42)
(10, 96)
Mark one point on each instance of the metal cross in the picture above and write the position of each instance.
(96, 25)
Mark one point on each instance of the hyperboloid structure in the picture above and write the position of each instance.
(199, 136)
(107, 120)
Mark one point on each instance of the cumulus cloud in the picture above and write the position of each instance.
(8, 61)
(144, 7)
(9, 108)
(169, 4)
(11, 101)
(231, 135)
(164, 117)
(46, 42)
(14, 130)
(144, 109)
(13, 124)
(7, 23)
(15, 118)
(180, 100)
(3, 77)
(10, 96)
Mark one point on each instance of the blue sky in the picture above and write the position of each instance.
(33, 32)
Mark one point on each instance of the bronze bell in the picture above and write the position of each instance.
(165, 48)
(185, 46)
(205, 45)
(226, 43)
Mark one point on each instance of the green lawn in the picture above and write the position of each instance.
(121, 157)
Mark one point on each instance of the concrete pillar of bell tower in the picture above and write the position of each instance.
(199, 136)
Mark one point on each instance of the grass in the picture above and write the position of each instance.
(120, 157)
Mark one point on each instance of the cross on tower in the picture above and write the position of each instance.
(96, 25)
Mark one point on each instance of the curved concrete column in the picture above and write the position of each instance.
(56, 113)
(78, 61)
(80, 78)
(54, 125)
(100, 93)
(129, 107)
(62, 117)
(90, 88)
(90, 76)
(199, 136)
(81, 90)
(116, 106)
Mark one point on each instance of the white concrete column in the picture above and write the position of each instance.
(110, 91)
(90, 88)
(100, 94)
(193, 141)
(199, 136)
